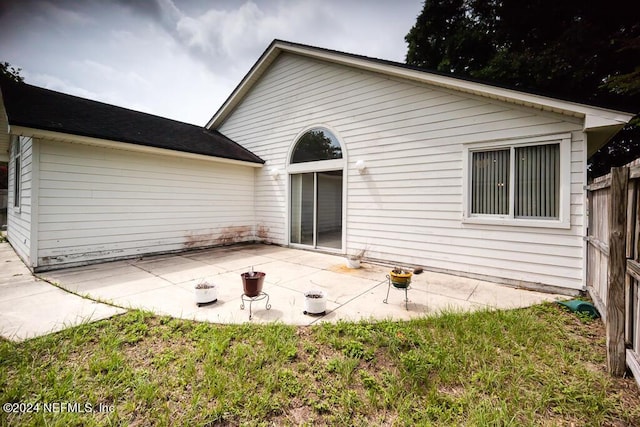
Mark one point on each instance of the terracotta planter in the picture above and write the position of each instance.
(252, 283)
(400, 278)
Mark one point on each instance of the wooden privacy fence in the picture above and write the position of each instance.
(613, 263)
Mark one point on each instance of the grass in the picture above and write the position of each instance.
(536, 366)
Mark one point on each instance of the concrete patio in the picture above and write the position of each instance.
(164, 285)
(30, 307)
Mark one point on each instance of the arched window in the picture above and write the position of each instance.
(316, 196)
(316, 144)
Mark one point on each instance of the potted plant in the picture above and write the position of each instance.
(252, 282)
(315, 302)
(400, 278)
(206, 293)
(353, 260)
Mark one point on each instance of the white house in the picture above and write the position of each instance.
(414, 167)
(91, 182)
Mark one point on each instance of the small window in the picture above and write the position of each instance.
(316, 144)
(17, 173)
(536, 181)
(517, 183)
(4, 176)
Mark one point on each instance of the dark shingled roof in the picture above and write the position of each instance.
(34, 107)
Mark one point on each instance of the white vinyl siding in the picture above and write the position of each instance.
(19, 196)
(100, 203)
(407, 206)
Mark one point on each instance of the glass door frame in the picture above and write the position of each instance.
(314, 167)
(315, 221)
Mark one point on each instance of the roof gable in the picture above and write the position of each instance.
(601, 120)
(33, 107)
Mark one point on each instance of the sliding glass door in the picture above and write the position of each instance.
(302, 208)
(329, 209)
(316, 209)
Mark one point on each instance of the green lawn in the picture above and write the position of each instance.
(536, 366)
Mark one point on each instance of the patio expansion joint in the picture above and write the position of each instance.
(83, 296)
(338, 306)
(155, 275)
(283, 283)
(360, 294)
(473, 292)
(34, 294)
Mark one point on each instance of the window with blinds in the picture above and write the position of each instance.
(490, 182)
(520, 181)
(537, 181)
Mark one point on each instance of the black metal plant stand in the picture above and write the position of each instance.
(259, 297)
(404, 287)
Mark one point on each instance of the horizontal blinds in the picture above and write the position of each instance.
(537, 181)
(490, 182)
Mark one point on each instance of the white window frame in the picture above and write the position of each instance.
(564, 214)
(311, 167)
(17, 175)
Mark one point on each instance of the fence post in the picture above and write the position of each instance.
(616, 352)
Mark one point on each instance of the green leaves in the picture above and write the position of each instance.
(569, 49)
(10, 72)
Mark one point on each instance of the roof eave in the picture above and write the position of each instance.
(4, 130)
(79, 139)
(598, 137)
(595, 117)
(267, 57)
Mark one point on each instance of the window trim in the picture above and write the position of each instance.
(312, 167)
(332, 137)
(564, 212)
(317, 166)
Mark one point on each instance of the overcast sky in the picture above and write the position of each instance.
(182, 58)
